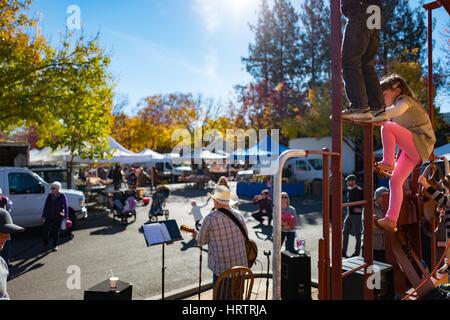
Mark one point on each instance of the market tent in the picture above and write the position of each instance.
(119, 155)
(153, 154)
(441, 151)
(267, 147)
(203, 154)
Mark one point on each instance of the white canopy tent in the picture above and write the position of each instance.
(203, 154)
(155, 156)
(119, 155)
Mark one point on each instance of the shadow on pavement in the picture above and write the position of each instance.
(28, 250)
(189, 245)
(265, 232)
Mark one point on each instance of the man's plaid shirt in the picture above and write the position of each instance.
(226, 243)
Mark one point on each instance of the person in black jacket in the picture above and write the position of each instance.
(359, 50)
(353, 220)
(55, 211)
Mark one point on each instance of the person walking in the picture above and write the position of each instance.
(353, 220)
(55, 211)
(225, 240)
(7, 227)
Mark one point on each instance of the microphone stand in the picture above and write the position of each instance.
(267, 254)
(200, 273)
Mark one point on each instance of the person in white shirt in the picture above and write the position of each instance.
(196, 211)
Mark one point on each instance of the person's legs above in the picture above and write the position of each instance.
(355, 43)
(371, 80)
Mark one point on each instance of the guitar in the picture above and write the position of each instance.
(186, 229)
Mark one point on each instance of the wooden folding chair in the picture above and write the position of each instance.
(234, 284)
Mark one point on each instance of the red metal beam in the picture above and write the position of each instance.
(445, 4)
(336, 163)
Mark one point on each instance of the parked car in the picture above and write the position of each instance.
(28, 192)
(52, 174)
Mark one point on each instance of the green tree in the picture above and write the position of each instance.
(273, 57)
(315, 55)
(85, 91)
(404, 34)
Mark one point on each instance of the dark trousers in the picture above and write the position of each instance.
(290, 238)
(352, 225)
(52, 228)
(6, 252)
(359, 51)
(198, 224)
(258, 215)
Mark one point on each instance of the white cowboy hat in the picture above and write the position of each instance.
(223, 195)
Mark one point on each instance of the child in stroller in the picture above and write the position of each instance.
(124, 206)
(158, 207)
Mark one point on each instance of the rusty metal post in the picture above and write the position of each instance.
(430, 66)
(336, 164)
(368, 210)
(322, 267)
(430, 9)
(326, 224)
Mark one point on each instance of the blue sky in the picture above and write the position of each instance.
(162, 46)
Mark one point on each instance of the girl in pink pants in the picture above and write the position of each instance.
(405, 124)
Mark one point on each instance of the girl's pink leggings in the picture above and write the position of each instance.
(393, 134)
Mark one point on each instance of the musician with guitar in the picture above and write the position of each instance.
(225, 233)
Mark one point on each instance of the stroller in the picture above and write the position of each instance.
(158, 207)
(124, 206)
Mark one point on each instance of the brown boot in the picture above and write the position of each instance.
(387, 224)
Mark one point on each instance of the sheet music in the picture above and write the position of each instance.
(159, 233)
(165, 232)
(153, 234)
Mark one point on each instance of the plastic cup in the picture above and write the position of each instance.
(113, 283)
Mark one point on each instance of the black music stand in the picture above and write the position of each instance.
(162, 233)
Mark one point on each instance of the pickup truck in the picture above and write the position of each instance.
(28, 192)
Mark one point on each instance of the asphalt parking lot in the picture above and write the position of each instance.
(99, 245)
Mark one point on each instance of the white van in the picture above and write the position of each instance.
(306, 169)
(28, 192)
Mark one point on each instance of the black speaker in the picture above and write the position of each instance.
(295, 276)
(124, 292)
(382, 280)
